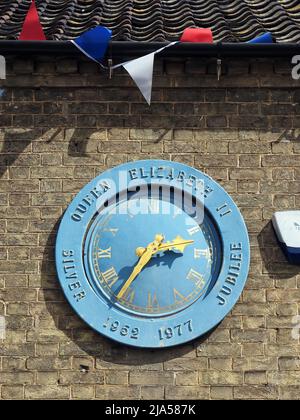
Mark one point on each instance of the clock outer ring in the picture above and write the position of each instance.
(204, 315)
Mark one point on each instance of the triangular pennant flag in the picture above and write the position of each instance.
(197, 35)
(141, 71)
(94, 43)
(32, 29)
(266, 38)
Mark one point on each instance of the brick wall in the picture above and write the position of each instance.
(62, 122)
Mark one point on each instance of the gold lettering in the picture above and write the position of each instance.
(178, 297)
(152, 301)
(104, 253)
(129, 295)
(110, 276)
(196, 277)
(194, 230)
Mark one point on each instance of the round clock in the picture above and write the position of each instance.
(152, 254)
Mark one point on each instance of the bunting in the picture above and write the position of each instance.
(199, 35)
(141, 71)
(32, 29)
(94, 43)
(265, 38)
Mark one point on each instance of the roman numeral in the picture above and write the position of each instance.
(129, 295)
(196, 277)
(192, 231)
(153, 206)
(112, 231)
(177, 212)
(104, 253)
(178, 297)
(130, 210)
(110, 276)
(152, 301)
(198, 253)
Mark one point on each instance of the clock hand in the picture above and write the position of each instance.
(143, 261)
(178, 243)
(145, 257)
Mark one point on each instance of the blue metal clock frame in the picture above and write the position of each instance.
(152, 332)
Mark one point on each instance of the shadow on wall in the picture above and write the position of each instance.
(16, 140)
(78, 142)
(14, 144)
(83, 341)
(275, 263)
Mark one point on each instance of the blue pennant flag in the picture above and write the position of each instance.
(94, 43)
(266, 38)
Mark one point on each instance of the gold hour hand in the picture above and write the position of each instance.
(145, 255)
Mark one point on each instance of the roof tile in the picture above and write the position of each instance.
(157, 20)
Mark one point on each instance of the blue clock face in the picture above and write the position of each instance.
(152, 254)
(173, 279)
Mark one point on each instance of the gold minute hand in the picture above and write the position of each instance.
(179, 244)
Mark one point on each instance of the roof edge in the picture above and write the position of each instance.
(131, 49)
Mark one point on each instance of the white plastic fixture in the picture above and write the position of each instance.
(287, 228)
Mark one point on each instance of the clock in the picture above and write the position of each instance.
(152, 254)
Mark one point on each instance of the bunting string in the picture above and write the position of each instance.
(94, 44)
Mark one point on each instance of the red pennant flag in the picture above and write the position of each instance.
(197, 35)
(32, 29)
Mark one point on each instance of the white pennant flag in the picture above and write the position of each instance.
(141, 71)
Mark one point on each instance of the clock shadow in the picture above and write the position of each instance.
(164, 259)
(96, 351)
